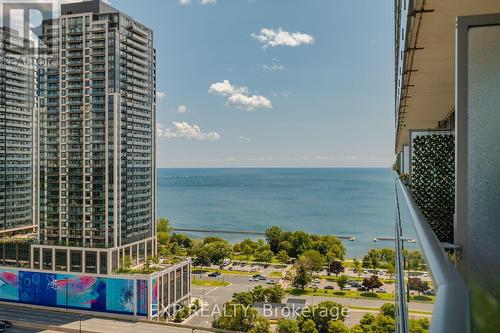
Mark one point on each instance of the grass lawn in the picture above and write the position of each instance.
(210, 283)
(353, 294)
(355, 278)
(275, 274)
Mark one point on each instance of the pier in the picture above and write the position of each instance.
(245, 232)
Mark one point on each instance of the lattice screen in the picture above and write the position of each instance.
(433, 181)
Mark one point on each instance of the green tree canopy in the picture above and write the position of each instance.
(321, 315)
(287, 326)
(313, 260)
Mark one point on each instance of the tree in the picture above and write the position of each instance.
(274, 294)
(283, 256)
(245, 298)
(418, 285)
(391, 270)
(218, 250)
(126, 262)
(371, 259)
(313, 260)
(321, 315)
(287, 326)
(286, 246)
(337, 326)
(236, 317)
(357, 267)
(342, 281)
(274, 236)
(302, 276)
(264, 256)
(300, 243)
(259, 294)
(308, 327)
(372, 282)
(387, 309)
(414, 260)
(336, 267)
(419, 325)
(163, 225)
(201, 260)
(261, 325)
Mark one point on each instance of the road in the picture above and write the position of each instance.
(215, 297)
(71, 321)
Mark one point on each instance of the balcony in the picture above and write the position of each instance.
(451, 307)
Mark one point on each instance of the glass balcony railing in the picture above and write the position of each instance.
(425, 272)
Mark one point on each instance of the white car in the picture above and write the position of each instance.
(252, 279)
(271, 282)
(381, 290)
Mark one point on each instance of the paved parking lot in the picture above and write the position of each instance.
(217, 296)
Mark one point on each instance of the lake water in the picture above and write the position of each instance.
(339, 201)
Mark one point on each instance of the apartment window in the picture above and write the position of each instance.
(36, 258)
(61, 260)
(103, 263)
(47, 259)
(76, 261)
(91, 262)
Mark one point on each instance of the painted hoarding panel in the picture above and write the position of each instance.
(154, 296)
(74, 291)
(37, 288)
(120, 295)
(9, 282)
(142, 297)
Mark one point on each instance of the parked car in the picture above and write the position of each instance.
(329, 287)
(316, 280)
(381, 290)
(355, 284)
(256, 276)
(429, 292)
(262, 278)
(253, 279)
(214, 274)
(271, 282)
(253, 270)
(365, 271)
(362, 288)
(7, 324)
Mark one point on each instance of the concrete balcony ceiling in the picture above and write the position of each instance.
(429, 72)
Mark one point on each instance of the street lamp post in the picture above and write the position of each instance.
(80, 327)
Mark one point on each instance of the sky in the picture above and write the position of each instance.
(272, 83)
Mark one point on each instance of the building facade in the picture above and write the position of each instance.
(18, 197)
(97, 149)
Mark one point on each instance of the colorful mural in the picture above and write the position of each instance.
(75, 291)
(82, 292)
(120, 295)
(9, 282)
(142, 297)
(154, 296)
(36, 288)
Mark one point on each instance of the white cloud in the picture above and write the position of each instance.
(161, 94)
(239, 96)
(183, 130)
(272, 38)
(203, 2)
(225, 88)
(244, 138)
(273, 67)
(250, 102)
(182, 109)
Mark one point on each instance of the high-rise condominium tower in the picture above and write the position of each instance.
(97, 141)
(17, 133)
